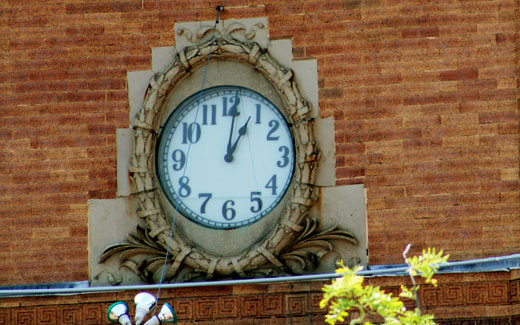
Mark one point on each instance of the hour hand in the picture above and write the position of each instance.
(231, 149)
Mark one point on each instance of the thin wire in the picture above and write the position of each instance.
(176, 211)
(252, 163)
(467, 266)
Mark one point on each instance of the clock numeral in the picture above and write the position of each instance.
(205, 202)
(272, 185)
(224, 106)
(184, 189)
(285, 157)
(233, 110)
(213, 115)
(255, 198)
(180, 159)
(257, 121)
(234, 100)
(274, 124)
(190, 132)
(227, 211)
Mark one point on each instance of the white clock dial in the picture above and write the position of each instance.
(225, 158)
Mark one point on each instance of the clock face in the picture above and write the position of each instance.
(225, 158)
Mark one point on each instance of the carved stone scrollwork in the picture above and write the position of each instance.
(294, 246)
(227, 33)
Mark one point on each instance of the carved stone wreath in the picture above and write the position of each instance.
(293, 246)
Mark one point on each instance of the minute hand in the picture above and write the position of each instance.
(230, 150)
(233, 112)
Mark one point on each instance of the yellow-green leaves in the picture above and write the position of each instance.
(347, 294)
(427, 264)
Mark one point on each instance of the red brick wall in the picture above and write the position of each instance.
(423, 94)
(425, 101)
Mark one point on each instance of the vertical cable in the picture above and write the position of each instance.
(219, 9)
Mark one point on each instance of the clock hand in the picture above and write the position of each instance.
(233, 111)
(242, 131)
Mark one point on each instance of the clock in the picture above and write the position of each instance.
(225, 157)
(223, 178)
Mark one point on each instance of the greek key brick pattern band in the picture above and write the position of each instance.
(199, 307)
(269, 304)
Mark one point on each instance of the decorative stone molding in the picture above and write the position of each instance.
(242, 30)
(229, 32)
(294, 246)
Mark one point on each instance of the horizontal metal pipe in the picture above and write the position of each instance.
(299, 278)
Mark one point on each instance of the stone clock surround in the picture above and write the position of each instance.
(222, 242)
(111, 220)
